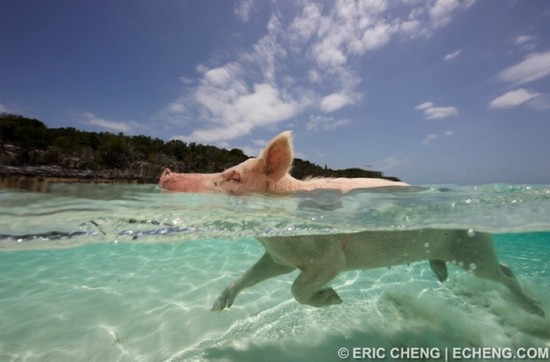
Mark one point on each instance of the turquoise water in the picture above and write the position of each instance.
(129, 273)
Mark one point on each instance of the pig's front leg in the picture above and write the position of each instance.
(264, 268)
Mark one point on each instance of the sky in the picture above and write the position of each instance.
(430, 91)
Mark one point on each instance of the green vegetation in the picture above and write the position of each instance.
(28, 142)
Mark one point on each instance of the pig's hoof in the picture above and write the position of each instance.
(219, 305)
(225, 300)
(327, 296)
(531, 305)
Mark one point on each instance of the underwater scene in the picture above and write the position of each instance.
(131, 273)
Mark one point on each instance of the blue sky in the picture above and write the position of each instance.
(442, 91)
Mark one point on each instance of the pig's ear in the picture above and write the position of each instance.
(278, 156)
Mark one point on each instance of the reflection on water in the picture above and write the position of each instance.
(78, 214)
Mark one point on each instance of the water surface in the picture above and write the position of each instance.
(119, 272)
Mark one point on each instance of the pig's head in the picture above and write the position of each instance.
(259, 174)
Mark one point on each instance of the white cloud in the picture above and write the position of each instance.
(304, 26)
(540, 103)
(441, 11)
(352, 28)
(335, 101)
(268, 50)
(513, 98)
(424, 106)
(349, 28)
(260, 142)
(524, 39)
(440, 112)
(243, 9)
(535, 66)
(92, 119)
(316, 123)
(218, 76)
(432, 137)
(177, 107)
(429, 138)
(5, 109)
(314, 76)
(526, 42)
(373, 38)
(322, 39)
(432, 112)
(452, 55)
(234, 111)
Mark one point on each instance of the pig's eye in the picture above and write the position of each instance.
(233, 176)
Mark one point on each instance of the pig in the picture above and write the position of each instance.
(320, 258)
(268, 173)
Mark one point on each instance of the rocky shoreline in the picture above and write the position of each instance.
(33, 156)
(39, 178)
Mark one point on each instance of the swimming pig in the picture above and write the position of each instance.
(267, 173)
(320, 258)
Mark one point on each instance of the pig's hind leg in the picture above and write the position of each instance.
(310, 286)
(476, 253)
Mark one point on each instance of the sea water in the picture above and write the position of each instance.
(129, 273)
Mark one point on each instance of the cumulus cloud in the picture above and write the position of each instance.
(430, 111)
(424, 106)
(526, 42)
(452, 55)
(524, 39)
(317, 123)
(353, 28)
(234, 111)
(429, 138)
(92, 119)
(440, 112)
(513, 98)
(335, 101)
(177, 107)
(243, 9)
(218, 76)
(540, 103)
(432, 137)
(535, 66)
(442, 10)
(256, 88)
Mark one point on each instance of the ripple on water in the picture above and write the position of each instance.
(149, 298)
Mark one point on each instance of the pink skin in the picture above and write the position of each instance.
(269, 173)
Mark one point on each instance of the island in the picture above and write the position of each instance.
(33, 156)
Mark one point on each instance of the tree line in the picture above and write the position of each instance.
(29, 142)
